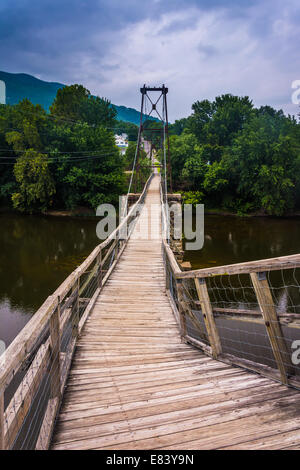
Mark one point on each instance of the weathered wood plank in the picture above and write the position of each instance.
(19, 405)
(2, 445)
(45, 433)
(272, 264)
(134, 385)
(55, 342)
(26, 339)
(266, 303)
(208, 317)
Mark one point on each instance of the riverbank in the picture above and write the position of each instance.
(82, 211)
(78, 212)
(250, 215)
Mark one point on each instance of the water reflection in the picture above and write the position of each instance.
(36, 255)
(231, 240)
(234, 240)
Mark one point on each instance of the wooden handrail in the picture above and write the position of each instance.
(25, 340)
(267, 314)
(29, 338)
(271, 264)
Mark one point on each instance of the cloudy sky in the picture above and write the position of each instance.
(198, 48)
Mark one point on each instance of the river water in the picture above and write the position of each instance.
(37, 253)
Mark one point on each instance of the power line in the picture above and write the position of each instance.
(80, 122)
(68, 120)
(66, 152)
(59, 160)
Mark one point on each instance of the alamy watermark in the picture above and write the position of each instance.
(296, 353)
(2, 353)
(182, 222)
(2, 92)
(296, 93)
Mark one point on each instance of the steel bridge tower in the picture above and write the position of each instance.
(158, 136)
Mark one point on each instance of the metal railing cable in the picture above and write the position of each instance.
(45, 346)
(246, 314)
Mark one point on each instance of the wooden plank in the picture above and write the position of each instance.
(171, 258)
(100, 269)
(25, 341)
(240, 431)
(262, 369)
(170, 415)
(274, 441)
(289, 320)
(55, 342)
(182, 318)
(65, 317)
(134, 385)
(199, 344)
(210, 426)
(22, 345)
(88, 310)
(67, 363)
(2, 445)
(266, 304)
(134, 388)
(208, 317)
(45, 433)
(272, 264)
(199, 398)
(21, 401)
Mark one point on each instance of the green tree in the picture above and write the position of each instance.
(264, 165)
(218, 122)
(69, 102)
(179, 126)
(75, 103)
(90, 178)
(130, 155)
(35, 185)
(187, 161)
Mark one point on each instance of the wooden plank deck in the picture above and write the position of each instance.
(134, 385)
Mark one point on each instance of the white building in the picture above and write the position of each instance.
(121, 142)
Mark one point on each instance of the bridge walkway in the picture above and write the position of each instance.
(134, 384)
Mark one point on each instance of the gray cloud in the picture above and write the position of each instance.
(207, 50)
(200, 48)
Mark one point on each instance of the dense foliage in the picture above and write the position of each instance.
(227, 154)
(233, 156)
(63, 159)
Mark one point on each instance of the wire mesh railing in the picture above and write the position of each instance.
(246, 314)
(35, 367)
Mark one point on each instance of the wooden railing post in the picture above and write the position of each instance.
(266, 304)
(99, 265)
(180, 308)
(75, 321)
(55, 341)
(2, 432)
(117, 246)
(208, 317)
(167, 272)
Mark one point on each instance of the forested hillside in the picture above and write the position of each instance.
(20, 86)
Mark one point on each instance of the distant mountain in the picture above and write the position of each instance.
(21, 85)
